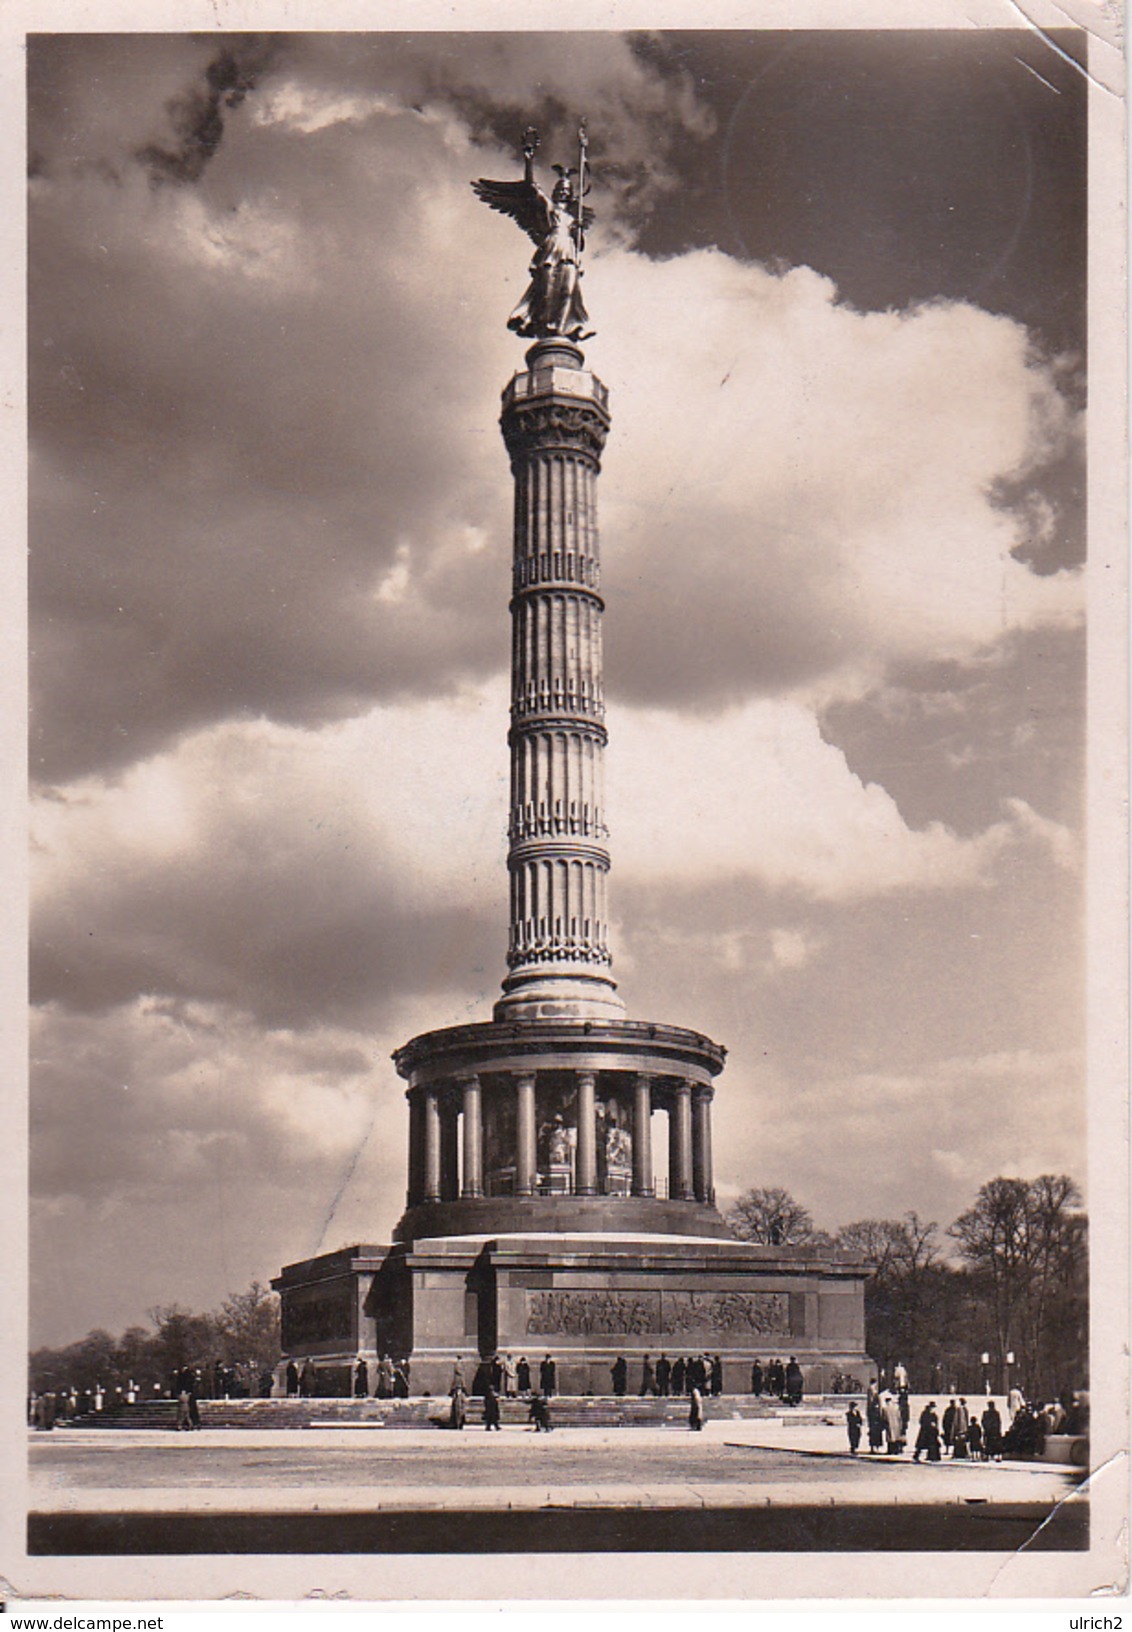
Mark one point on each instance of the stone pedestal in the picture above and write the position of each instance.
(587, 1299)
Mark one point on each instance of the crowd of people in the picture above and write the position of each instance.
(700, 1372)
(962, 1432)
(778, 1381)
(187, 1385)
(503, 1378)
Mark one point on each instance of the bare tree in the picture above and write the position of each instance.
(901, 1295)
(248, 1327)
(772, 1218)
(1024, 1243)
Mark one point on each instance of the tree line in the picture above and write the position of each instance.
(241, 1340)
(1008, 1280)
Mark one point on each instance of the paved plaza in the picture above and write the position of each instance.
(738, 1485)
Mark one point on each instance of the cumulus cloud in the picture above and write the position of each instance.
(270, 562)
(758, 793)
(303, 876)
(273, 406)
(810, 485)
(957, 1123)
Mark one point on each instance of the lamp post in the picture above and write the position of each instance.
(1009, 1363)
(985, 1358)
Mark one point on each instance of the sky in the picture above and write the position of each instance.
(838, 287)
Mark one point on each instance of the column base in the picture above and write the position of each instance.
(538, 996)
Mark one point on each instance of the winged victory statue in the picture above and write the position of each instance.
(553, 302)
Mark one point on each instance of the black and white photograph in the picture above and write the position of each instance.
(575, 632)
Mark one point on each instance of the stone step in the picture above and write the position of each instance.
(567, 1411)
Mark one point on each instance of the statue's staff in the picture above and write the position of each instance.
(583, 188)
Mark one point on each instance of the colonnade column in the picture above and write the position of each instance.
(526, 1158)
(473, 1138)
(702, 1178)
(642, 1135)
(449, 1148)
(416, 1148)
(585, 1173)
(680, 1143)
(431, 1142)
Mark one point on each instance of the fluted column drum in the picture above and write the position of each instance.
(555, 420)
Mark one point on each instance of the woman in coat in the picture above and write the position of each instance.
(927, 1439)
(893, 1428)
(874, 1418)
(959, 1431)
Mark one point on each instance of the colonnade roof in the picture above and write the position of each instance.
(568, 1044)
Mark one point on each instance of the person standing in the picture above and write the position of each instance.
(548, 1377)
(663, 1376)
(510, 1378)
(491, 1410)
(975, 1439)
(523, 1375)
(456, 1381)
(361, 1379)
(648, 1377)
(679, 1375)
(619, 1373)
(927, 1439)
(384, 1378)
(949, 1426)
(894, 1433)
(992, 1433)
(1015, 1400)
(853, 1427)
(457, 1410)
(757, 1380)
(904, 1403)
(292, 1379)
(959, 1432)
(793, 1383)
(695, 1410)
(874, 1418)
(715, 1380)
(900, 1378)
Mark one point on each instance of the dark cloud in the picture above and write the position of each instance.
(952, 742)
(197, 118)
(905, 165)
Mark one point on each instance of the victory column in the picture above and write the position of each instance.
(533, 1219)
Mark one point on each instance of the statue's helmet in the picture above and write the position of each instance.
(563, 192)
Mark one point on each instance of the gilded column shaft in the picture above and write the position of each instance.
(555, 421)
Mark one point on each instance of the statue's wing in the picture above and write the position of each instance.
(521, 201)
(587, 218)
